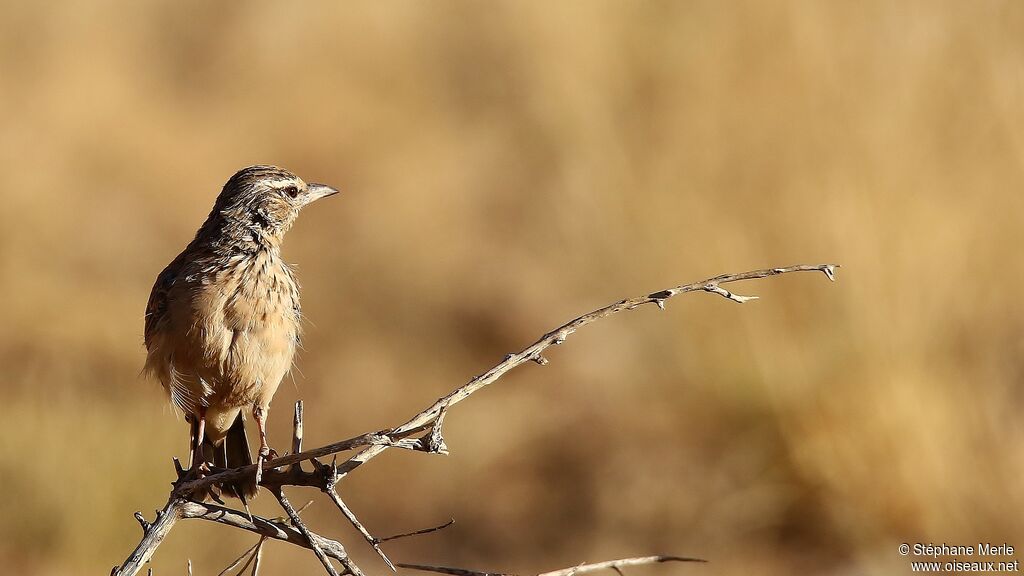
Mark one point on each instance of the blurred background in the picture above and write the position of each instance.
(506, 167)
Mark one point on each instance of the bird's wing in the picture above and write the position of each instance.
(156, 308)
(296, 305)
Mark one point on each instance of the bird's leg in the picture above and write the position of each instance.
(193, 431)
(259, 413)
(196, 459)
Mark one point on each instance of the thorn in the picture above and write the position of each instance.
(417, 532)
(302, 508)
(142, 521)
(322, 469)
(297, 432)
(384, 556)
(664, 294)
(435, 441)
(660, 302)
(716, 289)
(576, 569)
(540, 359)
(830, 271)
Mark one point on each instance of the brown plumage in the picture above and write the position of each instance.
(223, 318)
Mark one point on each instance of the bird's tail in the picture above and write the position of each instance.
(232, 452)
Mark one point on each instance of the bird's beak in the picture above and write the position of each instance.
(315, 192)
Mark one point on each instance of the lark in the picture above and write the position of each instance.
(223, 319)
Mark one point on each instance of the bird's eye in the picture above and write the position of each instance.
(291, 191)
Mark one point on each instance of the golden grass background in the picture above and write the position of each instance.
(507, 166)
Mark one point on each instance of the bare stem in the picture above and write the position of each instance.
(616, 565)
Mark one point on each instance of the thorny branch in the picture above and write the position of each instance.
(287, 470)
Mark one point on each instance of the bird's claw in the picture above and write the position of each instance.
(266, 454)
(198, 471)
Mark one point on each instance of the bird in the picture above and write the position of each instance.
(223, 319)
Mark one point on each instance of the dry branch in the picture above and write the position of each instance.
(616, 565)
(309, 536)
(287, 470)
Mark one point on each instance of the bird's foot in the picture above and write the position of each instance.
(266, 454)
(195, 472)
(198, 470)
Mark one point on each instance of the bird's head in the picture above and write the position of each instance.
(267, 198)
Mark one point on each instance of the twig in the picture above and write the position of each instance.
(419, 532)
(152, 536)
(262, 526)
(257, 558)
(373, 542)
(616, 565)
(298, 523)
(452, 571)
(249, 555)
